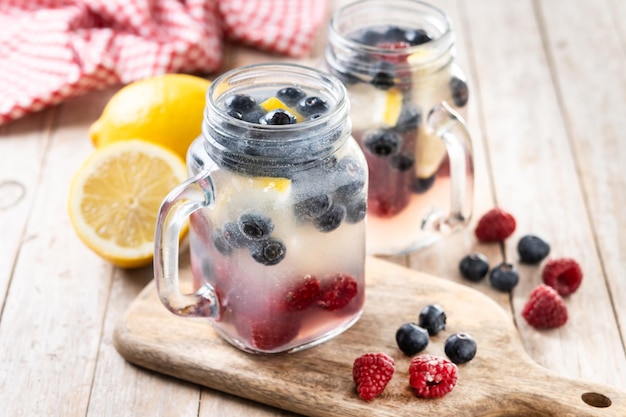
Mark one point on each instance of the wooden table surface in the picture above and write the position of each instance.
(548, 117)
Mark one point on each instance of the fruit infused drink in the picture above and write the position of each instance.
(277, 233)
(396, 59)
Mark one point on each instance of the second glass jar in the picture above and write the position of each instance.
(407, 94)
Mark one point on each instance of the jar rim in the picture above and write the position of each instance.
(243, 144)
(442, 42)
(252, 71)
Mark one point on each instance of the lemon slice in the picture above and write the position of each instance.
(274, 103)
(419, 57)
(371, 108)
(236, 194)
(115, 196)
(269, 183)
(431, 151)
(393, 107)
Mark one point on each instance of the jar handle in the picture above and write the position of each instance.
(187, 197)
(449, 126)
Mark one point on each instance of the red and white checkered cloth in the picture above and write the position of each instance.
(51, 50)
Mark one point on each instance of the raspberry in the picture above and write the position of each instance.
(302, 295)
(394, 45)
(432, 376)
(495, 225)
(338, 293)
(397, 45)
(562, 274)
(269, 335)
(545, 308)
(371, 373)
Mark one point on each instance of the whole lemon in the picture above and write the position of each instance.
(164, 109)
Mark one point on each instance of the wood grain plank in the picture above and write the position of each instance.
(222, 404)
(594, 111)
(52, 319)
(23, 144)
(535, 177)
(121, 389)
(618, 14)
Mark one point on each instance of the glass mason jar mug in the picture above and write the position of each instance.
(276, 202)
(397, 60)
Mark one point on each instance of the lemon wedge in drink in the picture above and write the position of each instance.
(236, 194)
(115, 196)
(371, 108)
(274, 103)
(392, 107)
(431, 150)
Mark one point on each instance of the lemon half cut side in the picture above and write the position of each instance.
(115, 196)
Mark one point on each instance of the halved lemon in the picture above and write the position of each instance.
(115, 196)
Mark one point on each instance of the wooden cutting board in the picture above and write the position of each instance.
(502, 380)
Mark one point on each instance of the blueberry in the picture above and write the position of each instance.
(268, 252)
(421, 185)
(234, 113)
(356, 210)
(255, 226)
(329, 163)
(233, 236)
(312, 207)
(220, 243)
(290, 95)
(411, 338)
(532, 249)
(417, 37)
(402, 162)
(254, 116)
(460, 93)
(432, 318)
(277, 117)
(382, 142)
(409, 119)
(331, 219)
(242, 103)
(368, 37)
(460, 348)
(394, 34)
(474, 266)
(503, 277)
(349, 178)
(383, 75)
(312, 105)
